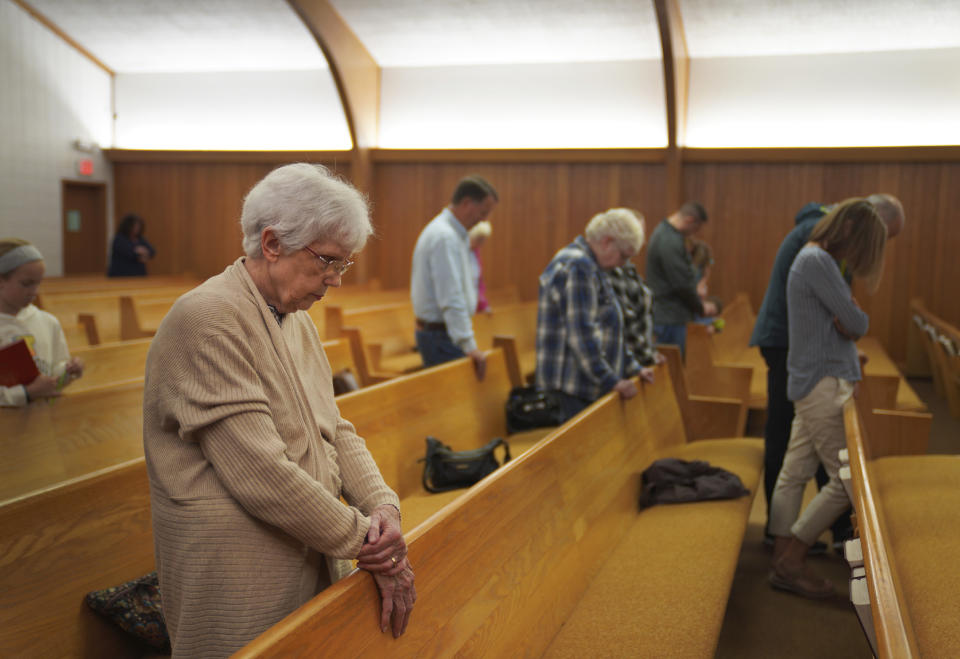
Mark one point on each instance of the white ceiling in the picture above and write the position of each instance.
(157, 36)
(743, 28)
(134, 36)
(403, 33)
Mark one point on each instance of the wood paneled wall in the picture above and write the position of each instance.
(752, 207)
(542, 208)
(192, 210)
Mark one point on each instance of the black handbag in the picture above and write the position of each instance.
(446, 469)
(528, 408)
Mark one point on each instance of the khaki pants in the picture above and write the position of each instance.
(816, 436)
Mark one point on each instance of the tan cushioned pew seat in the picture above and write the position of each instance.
(669, 547)
(920, 499)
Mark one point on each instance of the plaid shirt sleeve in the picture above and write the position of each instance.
(582, 310)
(636, 301)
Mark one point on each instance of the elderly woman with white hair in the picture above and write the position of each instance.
(246, 451)
(581, 350)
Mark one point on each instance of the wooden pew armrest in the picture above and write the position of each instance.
(512, 354)
(713, 417)
(726, 381)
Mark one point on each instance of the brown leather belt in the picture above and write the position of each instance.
(431, 327)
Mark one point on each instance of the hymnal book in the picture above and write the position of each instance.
(17, 365)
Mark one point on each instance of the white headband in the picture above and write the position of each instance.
(17, 257)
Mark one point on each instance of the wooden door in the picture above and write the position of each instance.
(84, 228)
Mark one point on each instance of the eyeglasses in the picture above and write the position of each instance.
(327, 263)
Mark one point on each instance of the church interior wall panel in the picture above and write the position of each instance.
(752, 206)
(543, 206)
(192, 210)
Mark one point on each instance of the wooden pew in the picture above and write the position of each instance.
(352, 297)
(140, 318)
(446, 402)
(720, 413)
(96, 423)
(47, 443)
(103, 307)
(386, 332)
(907, 510)
(124, 361)
(880, 364)
(72, 284)
(937, 343)
(82, 333)
(110, 363)
(61, 543)
(548, 555)
(919, 361)
(731, 348)
(513, 328)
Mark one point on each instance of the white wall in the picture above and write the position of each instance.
(271, 110)
(50, 95)
(570, 105)
(906, 98)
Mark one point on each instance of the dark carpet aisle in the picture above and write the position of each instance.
(761, 622)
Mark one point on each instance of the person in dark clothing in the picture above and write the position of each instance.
(771, 336)
(672, 277)
(131, 251)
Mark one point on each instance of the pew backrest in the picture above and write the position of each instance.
(894, 630)
(47, 443)
(110, 363)
(59, 544)
(504, 564)
(446, 402)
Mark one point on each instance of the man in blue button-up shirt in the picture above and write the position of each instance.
(441, 282)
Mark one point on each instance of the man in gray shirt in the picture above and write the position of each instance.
(441, 283)
(672, 277)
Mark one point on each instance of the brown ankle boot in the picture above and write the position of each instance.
(799, 579)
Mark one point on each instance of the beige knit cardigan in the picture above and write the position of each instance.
(247, 456)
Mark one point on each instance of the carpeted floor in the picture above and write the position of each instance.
(761, 622)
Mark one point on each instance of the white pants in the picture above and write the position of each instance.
(816, 436)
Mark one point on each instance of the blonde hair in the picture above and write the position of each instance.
(624, 225)
(10, 244)
(853, 231)
(480, 230)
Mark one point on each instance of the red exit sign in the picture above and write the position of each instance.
(85, 167)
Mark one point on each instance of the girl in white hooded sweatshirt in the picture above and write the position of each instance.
(21, 271)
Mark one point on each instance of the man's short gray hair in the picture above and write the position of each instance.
(888, 208)
(304, 203)
(625, 226)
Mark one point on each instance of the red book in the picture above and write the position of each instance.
(17, 365)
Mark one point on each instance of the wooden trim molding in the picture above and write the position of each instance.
(355, 72)
(519, 155)
(648, 156)
(53, 27)
(676, 82)
(864, 154)
(230, 157)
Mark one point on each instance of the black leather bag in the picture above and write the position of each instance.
(446, 469)
(528, 408)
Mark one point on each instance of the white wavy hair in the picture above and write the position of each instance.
(624, 225)
(304, 203)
